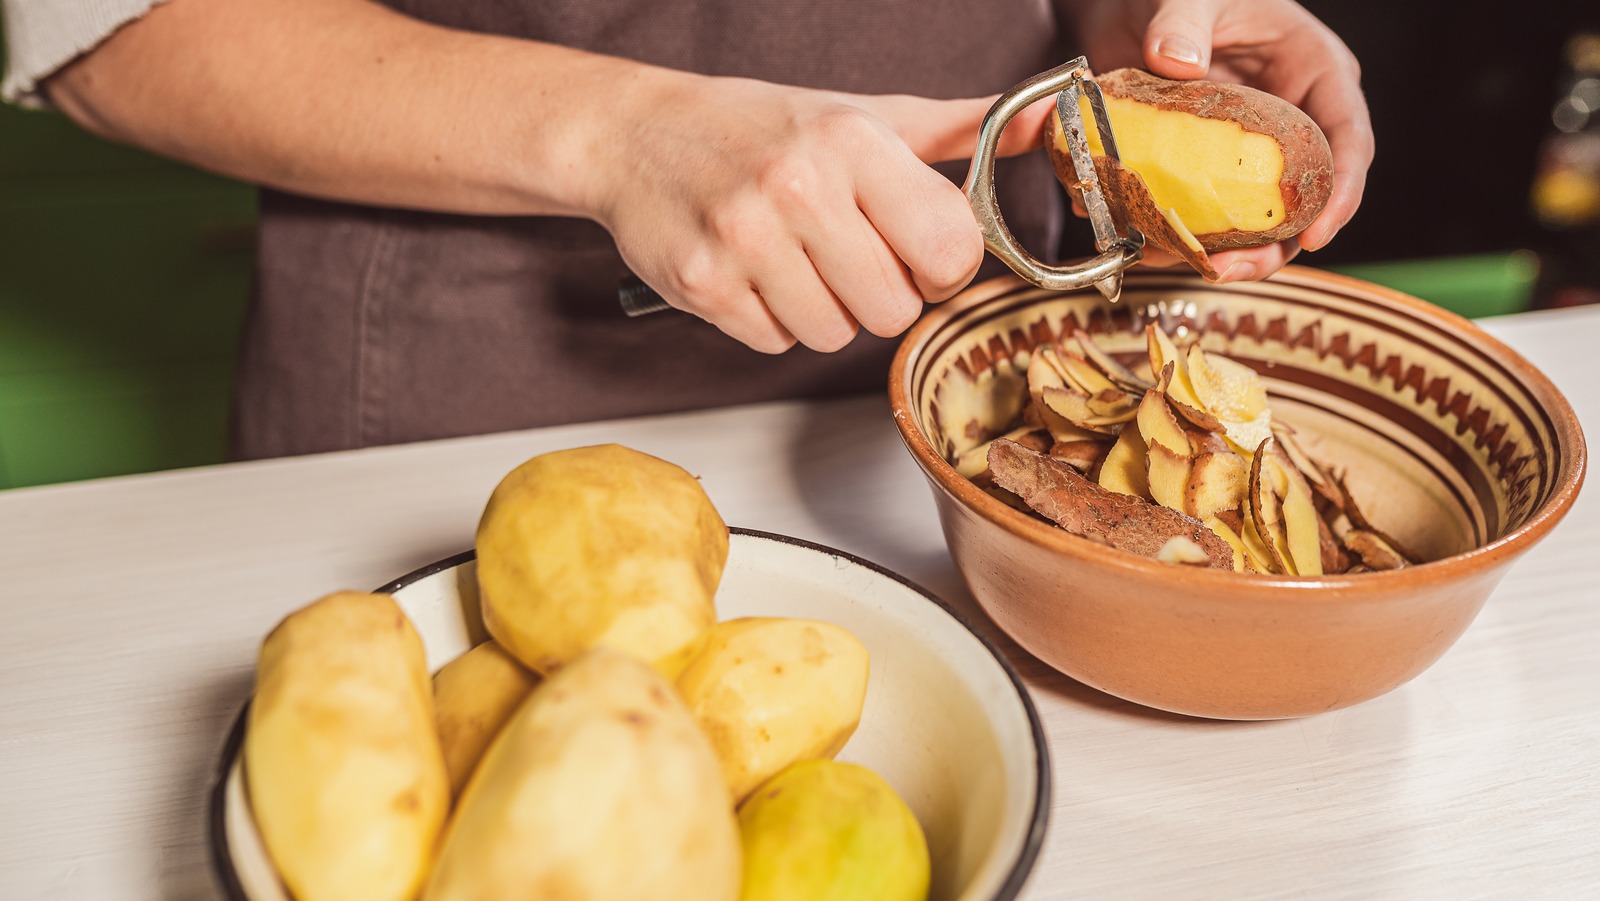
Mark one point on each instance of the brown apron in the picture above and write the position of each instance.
(375, 326)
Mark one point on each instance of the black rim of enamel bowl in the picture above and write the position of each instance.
(1016, 876)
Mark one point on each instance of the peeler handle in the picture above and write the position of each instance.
(980, 193)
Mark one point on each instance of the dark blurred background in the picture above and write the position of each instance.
(123, 277)
(1462, 94)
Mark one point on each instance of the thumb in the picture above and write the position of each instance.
(940, 130)
(1177, 42)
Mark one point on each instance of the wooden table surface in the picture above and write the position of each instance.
(132, 608)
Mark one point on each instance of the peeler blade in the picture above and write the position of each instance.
(1116, 253)
(1069, 109)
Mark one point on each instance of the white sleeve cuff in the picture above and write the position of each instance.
(44, 35)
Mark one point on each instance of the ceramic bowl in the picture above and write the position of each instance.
(1453, 443)
(947, 721)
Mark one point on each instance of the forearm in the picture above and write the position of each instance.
(348, 100)
(780, 214)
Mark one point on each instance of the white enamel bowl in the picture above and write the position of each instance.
(947, 722)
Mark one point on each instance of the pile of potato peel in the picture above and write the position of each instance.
(1182, 462)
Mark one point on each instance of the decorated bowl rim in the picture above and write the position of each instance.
(1567, 433)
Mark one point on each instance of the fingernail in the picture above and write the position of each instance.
(1239, 272)
(1179, 49)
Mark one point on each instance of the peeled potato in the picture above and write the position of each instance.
(824, 829)
(1205, 166)
(769, 692)
(346, 779)
(473, 696)
(600, 547)
(600, 787)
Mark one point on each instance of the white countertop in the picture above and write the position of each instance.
(132, 608)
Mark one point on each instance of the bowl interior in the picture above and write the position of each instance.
(947, 721)
(1440, 432)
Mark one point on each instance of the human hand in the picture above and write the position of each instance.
(1273, 45)
(785, 215)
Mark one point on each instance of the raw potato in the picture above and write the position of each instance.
(345, 776)
(769, 692)
(599, 787)
(1206, 166)
(473, 696)
(1057, 492)
(831, 830)
(600, 546)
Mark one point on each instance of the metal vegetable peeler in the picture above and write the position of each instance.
(1117, 252)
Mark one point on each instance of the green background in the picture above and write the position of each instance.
(122, 282)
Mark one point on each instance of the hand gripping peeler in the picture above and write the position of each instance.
(1117, 252)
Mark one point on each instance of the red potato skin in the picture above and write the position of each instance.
(1061, 494)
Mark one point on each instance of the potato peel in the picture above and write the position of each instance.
(1122, 376)
(1264, 513)
(1168, 472)
(1123, 469)
(1176, 444)
(1217, 483)
(1082, 455)
(1373, 550)
(1058, 492)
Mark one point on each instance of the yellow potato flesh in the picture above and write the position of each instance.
(1212, 174)
(1234, 541)
(345, 776)
(601, 787)
(769, 692)
(600, 547)
(824, 829)
(1300, 522)
(1157, 424)
(473, 696)
(1124, 466)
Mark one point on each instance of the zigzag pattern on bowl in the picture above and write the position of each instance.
(1401, 374)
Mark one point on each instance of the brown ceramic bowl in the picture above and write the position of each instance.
(1453, 443)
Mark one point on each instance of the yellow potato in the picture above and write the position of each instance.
(341, 760)
(600, 787)
(600, 547)
(769, 692)
(824, 829)
(473, 696)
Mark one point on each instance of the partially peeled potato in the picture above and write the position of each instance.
(1205, 166)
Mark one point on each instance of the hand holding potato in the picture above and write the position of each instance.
(1272, 45)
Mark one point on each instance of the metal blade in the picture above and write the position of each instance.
(1094, 201)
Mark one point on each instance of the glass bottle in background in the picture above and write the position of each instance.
(1566, 185)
